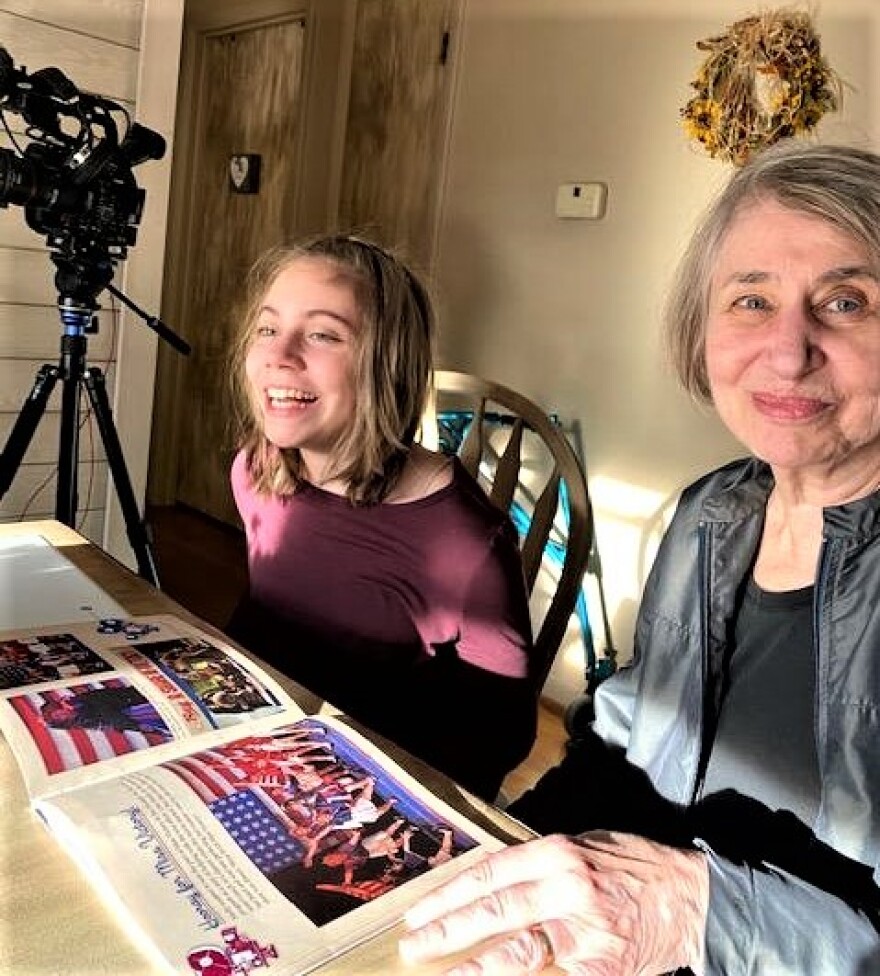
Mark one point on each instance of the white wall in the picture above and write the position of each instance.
(158, 69)
(554, 91)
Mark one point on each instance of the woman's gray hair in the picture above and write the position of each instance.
(837, 184)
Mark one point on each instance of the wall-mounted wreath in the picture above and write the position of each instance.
(763, 80)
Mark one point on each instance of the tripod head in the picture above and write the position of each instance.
(79, 282)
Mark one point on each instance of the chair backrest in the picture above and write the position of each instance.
(514, 449)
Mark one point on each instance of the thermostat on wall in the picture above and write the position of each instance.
(581, 201)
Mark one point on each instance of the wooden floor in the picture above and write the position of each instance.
(202, 563)
(203, 566)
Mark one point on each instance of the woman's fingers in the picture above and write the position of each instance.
(511, 866)
(572, 948)
(508, 892)
(599, 900)
(528, 951)
(509, 909)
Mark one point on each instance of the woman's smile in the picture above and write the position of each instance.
(789, 407)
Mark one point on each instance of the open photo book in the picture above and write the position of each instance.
(228, 830)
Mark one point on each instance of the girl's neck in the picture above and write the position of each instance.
(424, 473)
(314, 467)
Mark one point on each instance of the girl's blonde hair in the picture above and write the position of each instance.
(392, 374)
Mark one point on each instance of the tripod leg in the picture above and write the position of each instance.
(66, 500)
(26, 423)
(135, 528)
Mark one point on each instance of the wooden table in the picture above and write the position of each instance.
(51, 922)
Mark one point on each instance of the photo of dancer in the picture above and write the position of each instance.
(118, 708)
(84, 724)
(32, 660)
(225, 692)
(326, 825)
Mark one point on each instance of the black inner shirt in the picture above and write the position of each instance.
(765, 744)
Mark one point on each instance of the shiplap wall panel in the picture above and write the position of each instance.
(43, 449)
(26, 278)
(32, 492)
(17, 378)
(34, 332)
(92, 64)
(14, 231)
(110, 20)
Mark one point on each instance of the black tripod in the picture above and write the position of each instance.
(76, 318)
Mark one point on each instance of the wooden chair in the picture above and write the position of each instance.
(516, 451)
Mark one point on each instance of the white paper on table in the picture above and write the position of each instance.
(38, 585)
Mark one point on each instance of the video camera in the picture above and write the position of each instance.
(74, 177)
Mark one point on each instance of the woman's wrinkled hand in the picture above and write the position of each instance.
(602, 904)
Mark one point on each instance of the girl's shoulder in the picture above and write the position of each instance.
(239, 471)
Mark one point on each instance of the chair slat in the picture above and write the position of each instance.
(472, 449)
(507, 469)
(469, 394)
(539, 530)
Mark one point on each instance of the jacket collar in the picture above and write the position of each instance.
(744, 487)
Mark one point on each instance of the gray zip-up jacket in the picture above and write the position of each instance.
(784, 898)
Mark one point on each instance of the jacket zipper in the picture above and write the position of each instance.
(703, 548)
(826, 558)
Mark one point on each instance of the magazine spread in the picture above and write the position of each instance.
(229, 831)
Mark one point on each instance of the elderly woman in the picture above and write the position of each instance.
(723, 813)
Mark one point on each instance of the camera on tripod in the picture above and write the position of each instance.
(74, 178)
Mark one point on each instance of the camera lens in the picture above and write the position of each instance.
(19, 180)
(30, 182)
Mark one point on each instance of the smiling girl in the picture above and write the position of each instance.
(381, 577)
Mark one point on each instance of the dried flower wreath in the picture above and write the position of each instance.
(763, 80)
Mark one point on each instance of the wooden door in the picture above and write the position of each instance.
(377, 169)
(248, 103)
(397, 121)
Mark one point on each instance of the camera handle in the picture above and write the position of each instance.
(74, 374)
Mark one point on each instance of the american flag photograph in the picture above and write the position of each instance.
(324, 823)
(88, 723)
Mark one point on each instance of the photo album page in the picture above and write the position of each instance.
(227, 830)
